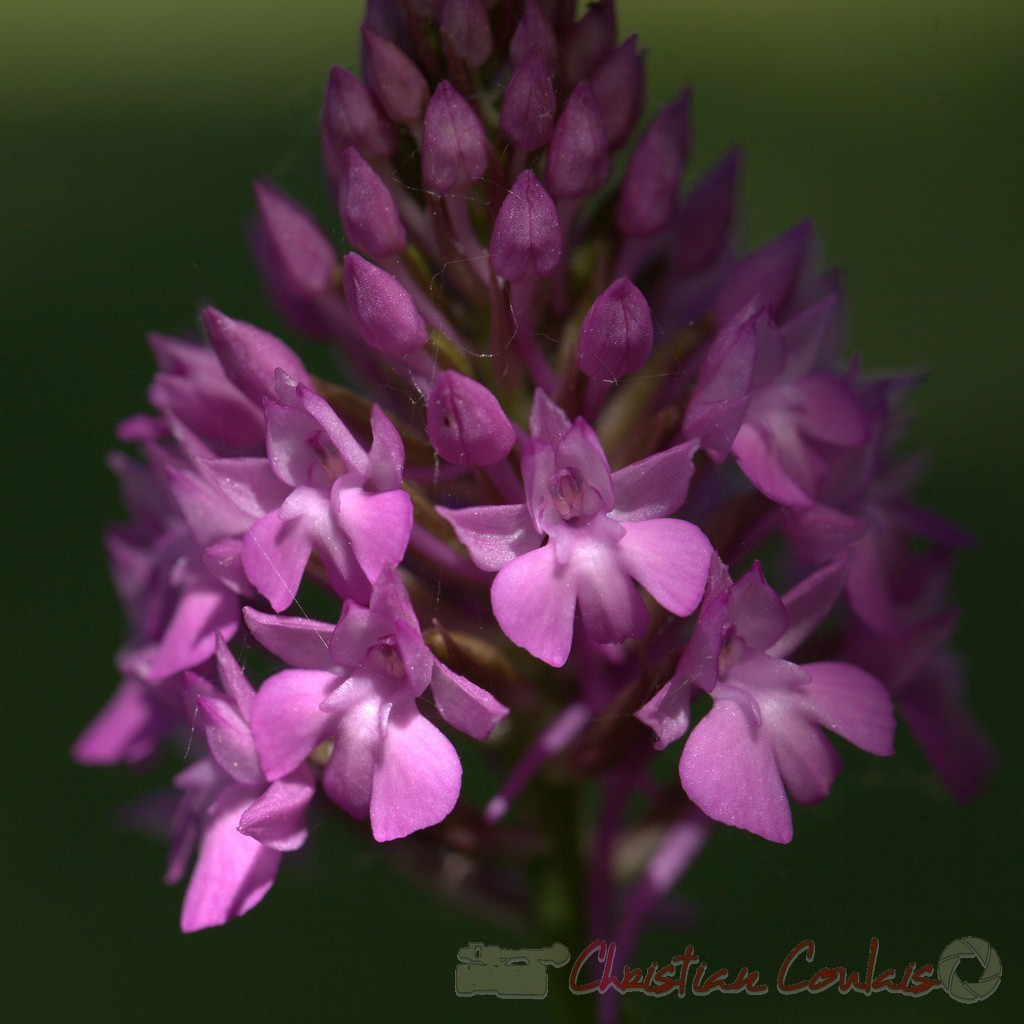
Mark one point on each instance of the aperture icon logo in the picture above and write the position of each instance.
(969, 948)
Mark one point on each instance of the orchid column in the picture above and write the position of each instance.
(607, 484)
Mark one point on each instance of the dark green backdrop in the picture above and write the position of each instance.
(130, 133)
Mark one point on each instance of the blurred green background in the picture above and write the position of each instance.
(130, 133)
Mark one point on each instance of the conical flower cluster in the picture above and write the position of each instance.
(606, 484)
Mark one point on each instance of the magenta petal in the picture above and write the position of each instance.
(205, 609)
(250, 483)
(807, 604)
(233, 872)
(287, 723)
(296, 640)
(667, 713)
(852, 704)
(376, 525)
(128, 729)
(653, 487)
(948, 733)
(830, 411)
(418, 775)
(274, 555)
(230, 740)
(277, 818)
(387, 453)
(728, 770)
(670, 558)
(756, 610)
(232, 678)
(494, 534)
(806, 760)
(464, 704)
(611, 608)
(759, 454)
(348, 778)
(542, 625)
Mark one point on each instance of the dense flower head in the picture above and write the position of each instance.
(605, 483)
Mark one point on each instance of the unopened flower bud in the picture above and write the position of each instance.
(454, 143)
(251, 356)
(617, 333)
(465, 423)
(706, 217)
(298, 254)
(464, 24)
(368, 212)
(590, 41)
(383, 309)
(529, 105)
(651, 182)
(578, 153)
(534, 30)
(394, 79)
(296, 259)
(618, 86)
(527, 237)
(350, 117)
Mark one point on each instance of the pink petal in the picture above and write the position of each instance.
(728, 770)
(852, 703)
(230, 740)
(287, 723)
(543, 624)
(418, 776)
(358, 731)
(463, 704)
(204, 610)
(377, 525)
(277, 818)
(805, 758)
(653, 487)
(233, 872)
(611, 608)
(274, 555)
(298, 641)
(670, 558)
(493, 534)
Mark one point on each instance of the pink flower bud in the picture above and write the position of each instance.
(528, 108)
(651, 183)
(591, 40)
(527, 237)
(251, 356)
(578, 153)
(297, 254)
(618, 86)
(464, 24)
(394, 79)
(706, 217)
(454, 143)
(534, 30)
(350, 117)
(383, 309)
(617, 333)
(368, 212)
(465, 423)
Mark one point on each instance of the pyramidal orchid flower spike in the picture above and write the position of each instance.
(605, 491)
